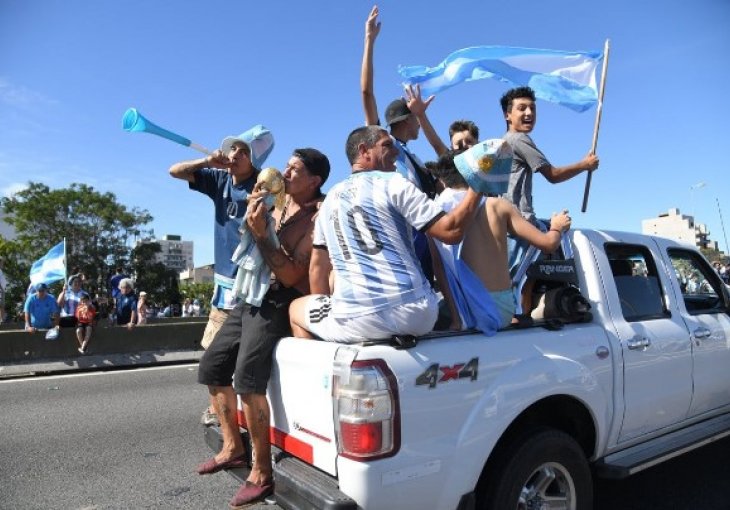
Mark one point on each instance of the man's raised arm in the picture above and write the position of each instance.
(185, 170)
(372, 29)
(418, 107)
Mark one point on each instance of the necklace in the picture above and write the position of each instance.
(283, 218)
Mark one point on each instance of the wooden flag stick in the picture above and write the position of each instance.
(599, 110)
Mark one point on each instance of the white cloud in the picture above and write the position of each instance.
(13, 188)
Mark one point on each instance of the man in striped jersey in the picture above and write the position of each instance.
(364, 235)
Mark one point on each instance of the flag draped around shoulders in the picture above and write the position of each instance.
(51, 267)
(564, 77)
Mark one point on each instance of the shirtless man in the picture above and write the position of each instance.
(476, 269)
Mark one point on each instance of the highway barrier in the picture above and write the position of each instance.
(175, 334)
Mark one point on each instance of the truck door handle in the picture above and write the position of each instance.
(701, 333)
(638, 343)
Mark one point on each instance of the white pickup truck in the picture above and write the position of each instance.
(516, 420)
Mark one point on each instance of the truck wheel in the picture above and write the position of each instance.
(545, 469)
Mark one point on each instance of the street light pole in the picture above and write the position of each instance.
(722, 224)
(692, 197)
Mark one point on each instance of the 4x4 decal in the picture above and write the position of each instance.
(436, 373)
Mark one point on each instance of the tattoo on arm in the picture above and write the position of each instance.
(274, 256)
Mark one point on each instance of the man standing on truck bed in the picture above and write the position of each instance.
(520, 114)
(242, 349)
(364, 234)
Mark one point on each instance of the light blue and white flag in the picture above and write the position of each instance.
(51, 267)
(564, 77)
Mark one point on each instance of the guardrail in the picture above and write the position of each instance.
(19, 346)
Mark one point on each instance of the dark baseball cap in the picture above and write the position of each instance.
(41, 286)
(316, 162)
(396, 111)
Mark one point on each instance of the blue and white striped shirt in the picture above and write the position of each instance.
(366, 224)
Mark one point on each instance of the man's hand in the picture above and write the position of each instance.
(257, 193)
(30, 329)
(590, 162)
(560, 221)
(372, 25)
(415, 103)
(218, 160)
(256, 219)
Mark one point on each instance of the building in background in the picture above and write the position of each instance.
(175, 253)
(681, 227)
(202, 274)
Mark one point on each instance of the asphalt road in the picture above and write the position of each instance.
(132, 439)
(127, 439)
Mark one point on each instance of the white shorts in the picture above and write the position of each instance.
(415, 318)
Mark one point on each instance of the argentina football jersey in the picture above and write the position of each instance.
(366, 225)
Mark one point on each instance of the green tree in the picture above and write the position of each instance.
(153, 277)
(200, 291)
(97, 228)
(713, 255)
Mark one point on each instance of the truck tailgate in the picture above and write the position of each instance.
(300, 395)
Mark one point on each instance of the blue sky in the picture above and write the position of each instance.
(69, 69)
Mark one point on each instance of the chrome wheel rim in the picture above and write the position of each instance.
(548, 487)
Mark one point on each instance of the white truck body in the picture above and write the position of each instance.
(638, 377)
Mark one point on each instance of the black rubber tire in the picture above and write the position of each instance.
(515, 471)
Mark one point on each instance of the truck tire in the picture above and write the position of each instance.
(543, 469)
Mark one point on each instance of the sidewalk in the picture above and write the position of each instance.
(99, 362)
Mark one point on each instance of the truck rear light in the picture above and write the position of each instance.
(361, 438)
(367, 418)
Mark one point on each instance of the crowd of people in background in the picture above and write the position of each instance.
(76, 309)
(723, 270)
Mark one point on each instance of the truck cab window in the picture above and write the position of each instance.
(637, 282)
(701, 287)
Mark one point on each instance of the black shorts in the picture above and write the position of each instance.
(67, 322)
(242, 349)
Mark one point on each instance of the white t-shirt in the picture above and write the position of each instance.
(366, 224)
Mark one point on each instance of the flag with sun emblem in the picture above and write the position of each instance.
(486, 166)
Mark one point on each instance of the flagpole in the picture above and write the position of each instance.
(599, 110)
(65, 263)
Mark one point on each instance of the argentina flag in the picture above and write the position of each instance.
(51, 267)
(564, 77)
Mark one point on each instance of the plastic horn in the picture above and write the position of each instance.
(133, 121)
